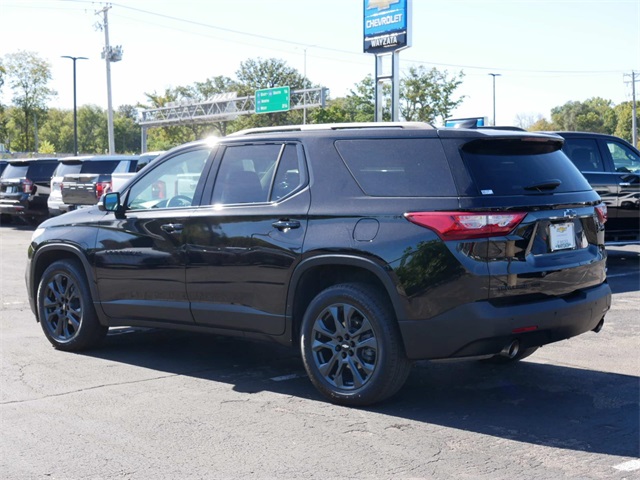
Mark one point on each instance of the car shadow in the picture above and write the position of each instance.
(540, 404)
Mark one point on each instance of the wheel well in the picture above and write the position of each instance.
(47, 258)
(316, 279)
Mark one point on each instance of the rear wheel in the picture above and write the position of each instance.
(351, 346)
(65, 308)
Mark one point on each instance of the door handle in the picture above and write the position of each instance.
(284, 225)
(172, 227)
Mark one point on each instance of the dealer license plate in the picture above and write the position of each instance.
(561, 236)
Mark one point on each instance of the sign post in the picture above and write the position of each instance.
(387, 30)
(271, 100)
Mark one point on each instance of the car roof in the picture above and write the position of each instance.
(27, 161)
(98, 158)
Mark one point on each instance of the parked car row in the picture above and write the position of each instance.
(35, 189)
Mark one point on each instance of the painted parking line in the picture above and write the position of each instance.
(630, 466)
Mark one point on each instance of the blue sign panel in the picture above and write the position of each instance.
(384, 16)
(387, 25)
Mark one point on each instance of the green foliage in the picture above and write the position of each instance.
(593, 115)
(46, 147)
(28, 77)
(58, 130)
(427, 95)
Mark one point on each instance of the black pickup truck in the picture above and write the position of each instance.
(94, 179)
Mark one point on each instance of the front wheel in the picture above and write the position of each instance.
(351, 346)
(65, 308)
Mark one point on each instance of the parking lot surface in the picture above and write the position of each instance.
(164, 405)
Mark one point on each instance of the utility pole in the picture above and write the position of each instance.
(634, 109)
(110, 54)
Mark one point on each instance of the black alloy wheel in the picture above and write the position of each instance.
(65, 308)
(351, 346)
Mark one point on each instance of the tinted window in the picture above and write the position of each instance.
(398, 167)
(105, 167)
(170, 184)
(246, 173)
(15, 171)
(290, 174)
(507, 167)
(624, 159)
(67, 168)
(41, 170)
(584, 154)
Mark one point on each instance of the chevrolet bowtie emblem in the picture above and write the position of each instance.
(381, 4)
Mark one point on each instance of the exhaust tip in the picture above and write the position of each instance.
(511, 349)
(599, 326)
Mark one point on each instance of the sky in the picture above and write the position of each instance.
(545, 52)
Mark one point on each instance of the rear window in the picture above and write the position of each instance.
(107, 166)
(67, 168)
(408, 167)
(15, 171)
(516, 167)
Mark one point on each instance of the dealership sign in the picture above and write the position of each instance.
(387, 25)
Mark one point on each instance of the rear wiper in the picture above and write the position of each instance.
(545, 185)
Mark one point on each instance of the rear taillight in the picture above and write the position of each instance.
(27, 186)
(466, 225)
(601, 211)
(102, 188)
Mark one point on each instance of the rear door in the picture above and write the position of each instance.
(242, 247)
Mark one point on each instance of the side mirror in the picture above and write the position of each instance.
(110, 202)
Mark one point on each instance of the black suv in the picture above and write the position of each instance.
(25, 188)
(612, 167)
(370, 246)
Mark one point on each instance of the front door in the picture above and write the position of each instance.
(140, 257)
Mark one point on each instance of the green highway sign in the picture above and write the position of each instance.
(270, 100)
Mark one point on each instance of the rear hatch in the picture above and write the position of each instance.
(93, 180)
(12, 180)
(64, 168)
(540, 225)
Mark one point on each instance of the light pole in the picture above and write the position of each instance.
(75, 110)
(494, 75)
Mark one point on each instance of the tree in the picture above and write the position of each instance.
(126, 131)
(58, 130)
(593, 115)
(28, 76)
(259, 74)
(624, 115)
(92, 129)
(427, 95)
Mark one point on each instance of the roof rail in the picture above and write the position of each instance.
(332, 126)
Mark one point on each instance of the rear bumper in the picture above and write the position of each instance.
(23, 207)
(481, 328)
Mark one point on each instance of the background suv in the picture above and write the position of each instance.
(25, 187)
(612, 167)
(368, 245)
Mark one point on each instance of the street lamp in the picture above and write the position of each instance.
(494, 75)
(75, 111)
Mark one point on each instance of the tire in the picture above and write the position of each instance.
(65, 308)
(351, 346)
(502, 360)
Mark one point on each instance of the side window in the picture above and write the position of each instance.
(245, 174)
(584, 154)
(290, 174)
(624, 159)
(398, 167)
(171, 184)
